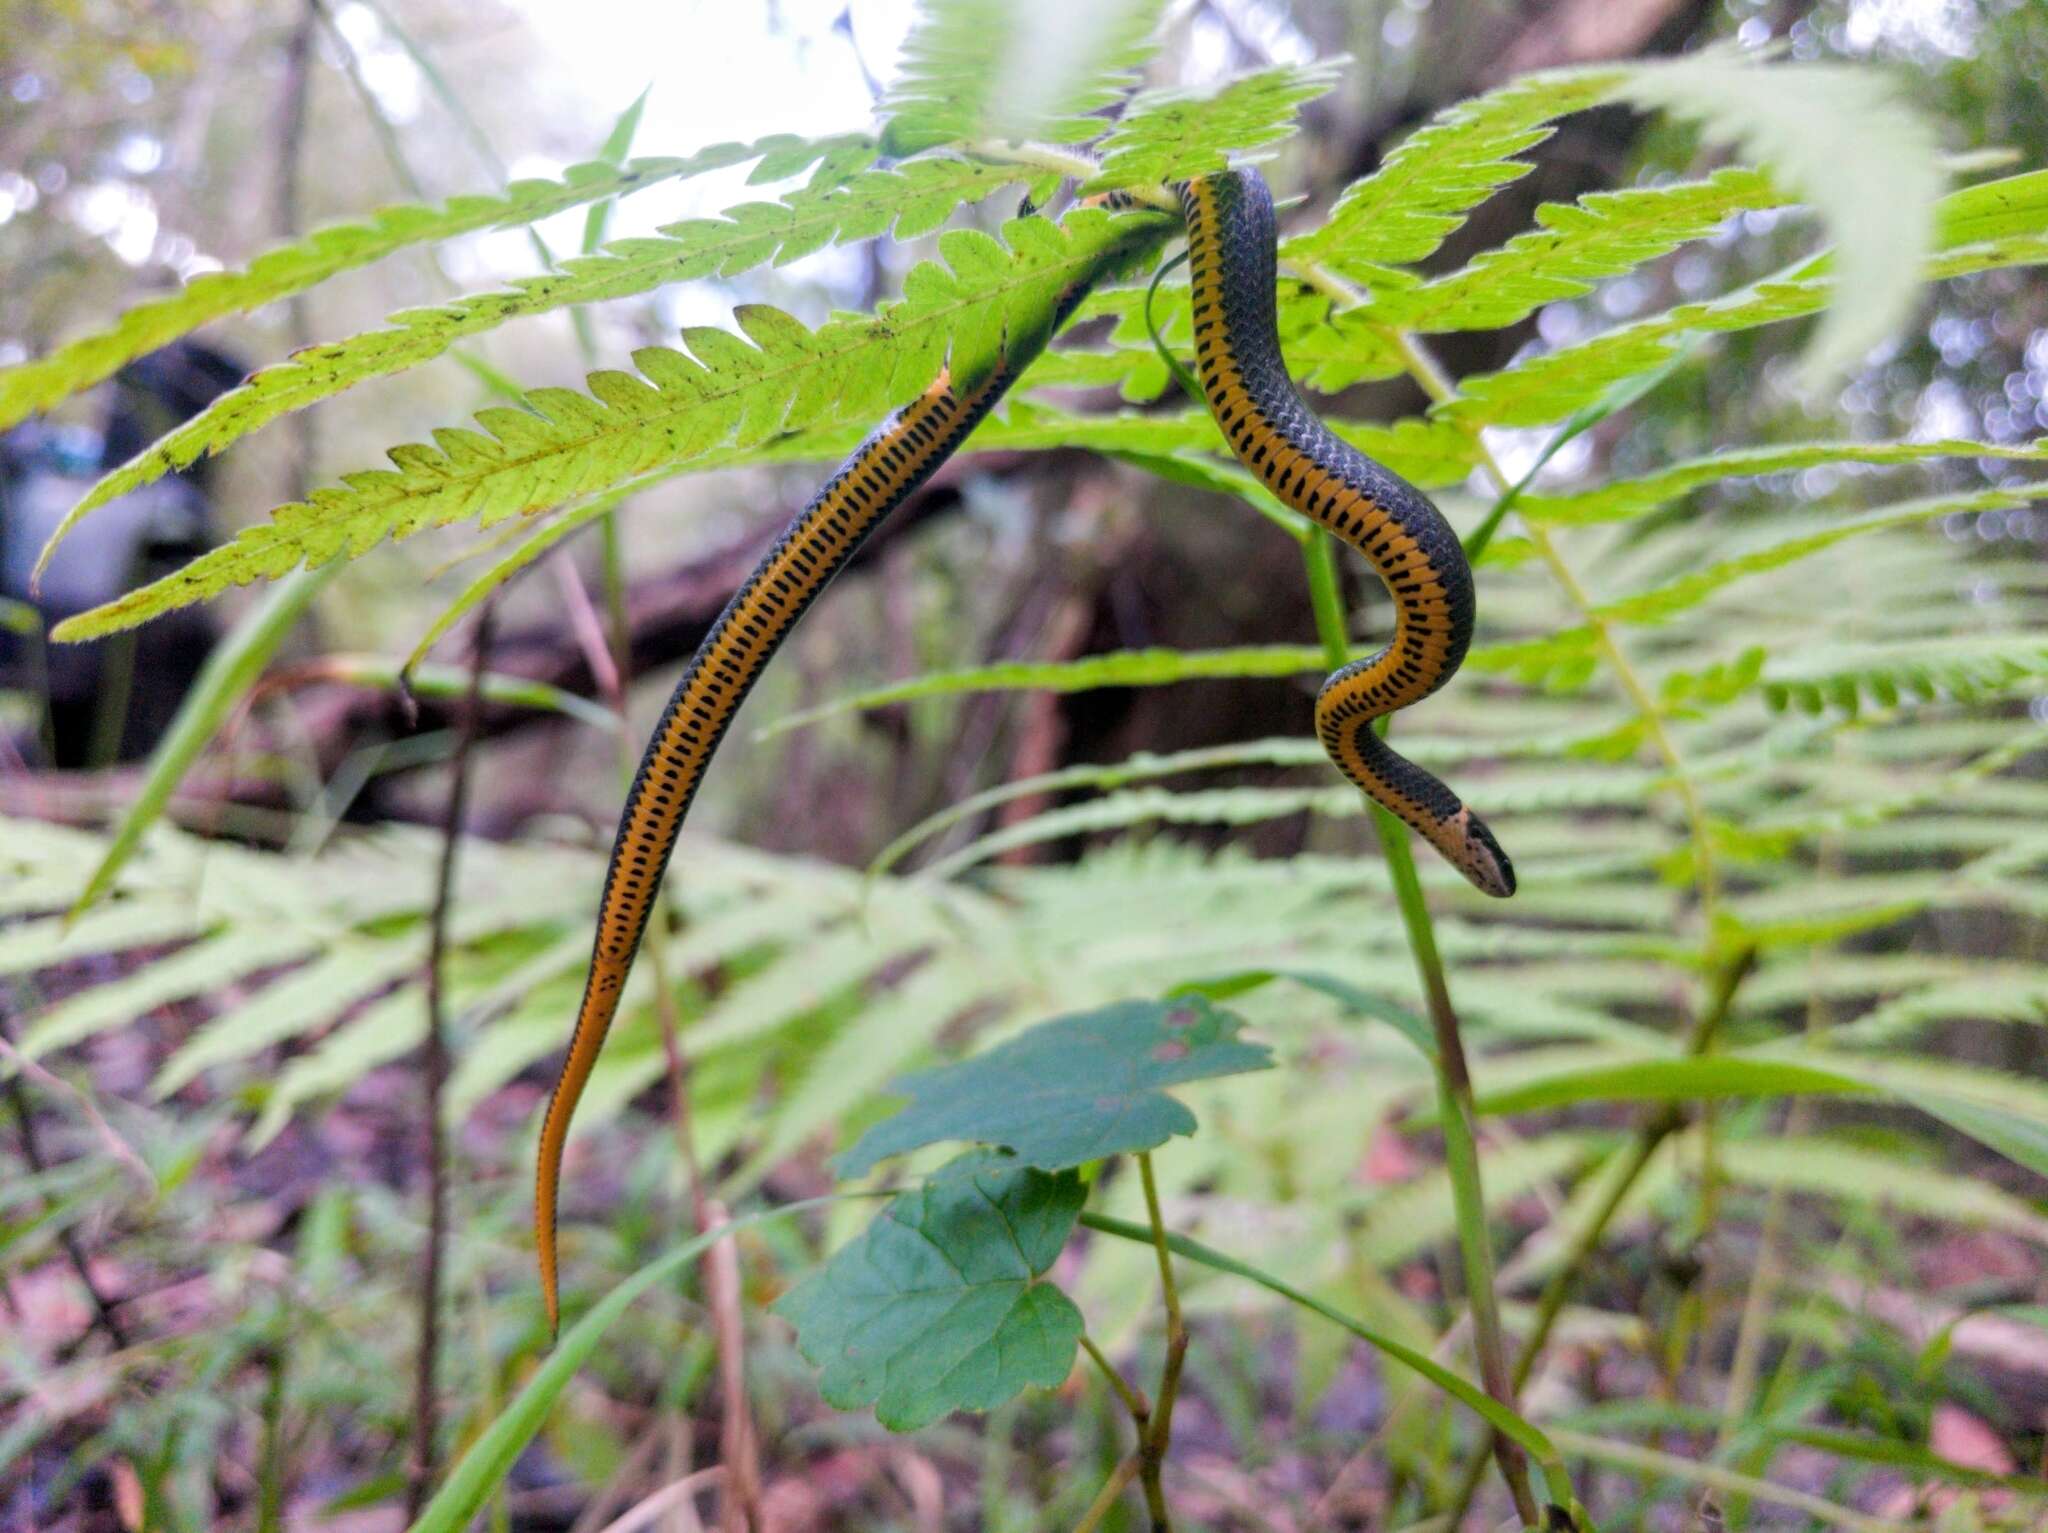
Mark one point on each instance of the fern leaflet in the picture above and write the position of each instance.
(1549, 387)
(1403, 211)
(35, 386)
(1964, 666)
(1604, 234)
(1168, 135)
(1625, 499)
(1843, 139)
(912, 199)
(984, 69)
(1662, 603)
(725, 391)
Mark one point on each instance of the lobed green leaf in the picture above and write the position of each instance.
(941, 1304)
(1070, 1090)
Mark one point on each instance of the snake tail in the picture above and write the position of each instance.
(1232, 270)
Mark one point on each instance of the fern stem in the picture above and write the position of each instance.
(1745, 1361)
(1430, 376)
(1068, 163)
(103, 1316)
(1656, 1126)
(1645, 705)
(1453, 1075)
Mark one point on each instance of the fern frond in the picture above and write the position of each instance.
(1123, 668)
(1404, 210)
(1604, 234)
(1851, 1173)
(1992, 210)
(32, 387)
(1662, 603)
(1625, 499)
(201, 968)
(985, 69)
(1548, 387)
(1559, 662)
(1851, 147)
(1961, 666)
(911, 199)
(1552, 790)
(302, 1001)
(727, 392)
(1168, 135)
(1994, 992)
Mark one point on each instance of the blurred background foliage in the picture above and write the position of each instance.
(242, 1023)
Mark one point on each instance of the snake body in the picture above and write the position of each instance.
(1231, 236)
(1232, 266)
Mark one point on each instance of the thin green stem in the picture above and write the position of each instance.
(621, 634)
(1650, 1462)
(273, 1456)
(1657, 1125)
(1454, 1078)
(1459, 1388)
(1746, 1359)
(1112, 1490)
(1154, 1442)
(1132, 1397)
(1066, 162)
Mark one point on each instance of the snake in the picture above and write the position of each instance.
(1231, 231)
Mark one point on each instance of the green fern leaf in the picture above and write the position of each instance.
(1963, 666)
(911, 199)
(196, 970)
(973, 70)
(27, 946)
(1850, 1173)
(1843, 139)
(1124, 668)
(1169, 135)
(391, 1027)
(1549, 387)
(1253, 806)
(728, 392)
(1625, 499)
(1994, 992)
(1604, 234)
(1402, 212)
(1992, 210)
(35, 386)
(1662, 603)
(1561, 661)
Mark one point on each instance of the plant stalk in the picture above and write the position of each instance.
(1133, 1398)
(1453, 1075)
(1112, 1489)
(103, 1316)
(434, 1075)
(273, 1454)
(1153, 1443)
(1657, 1125)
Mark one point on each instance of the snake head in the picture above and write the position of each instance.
(1486, 864)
